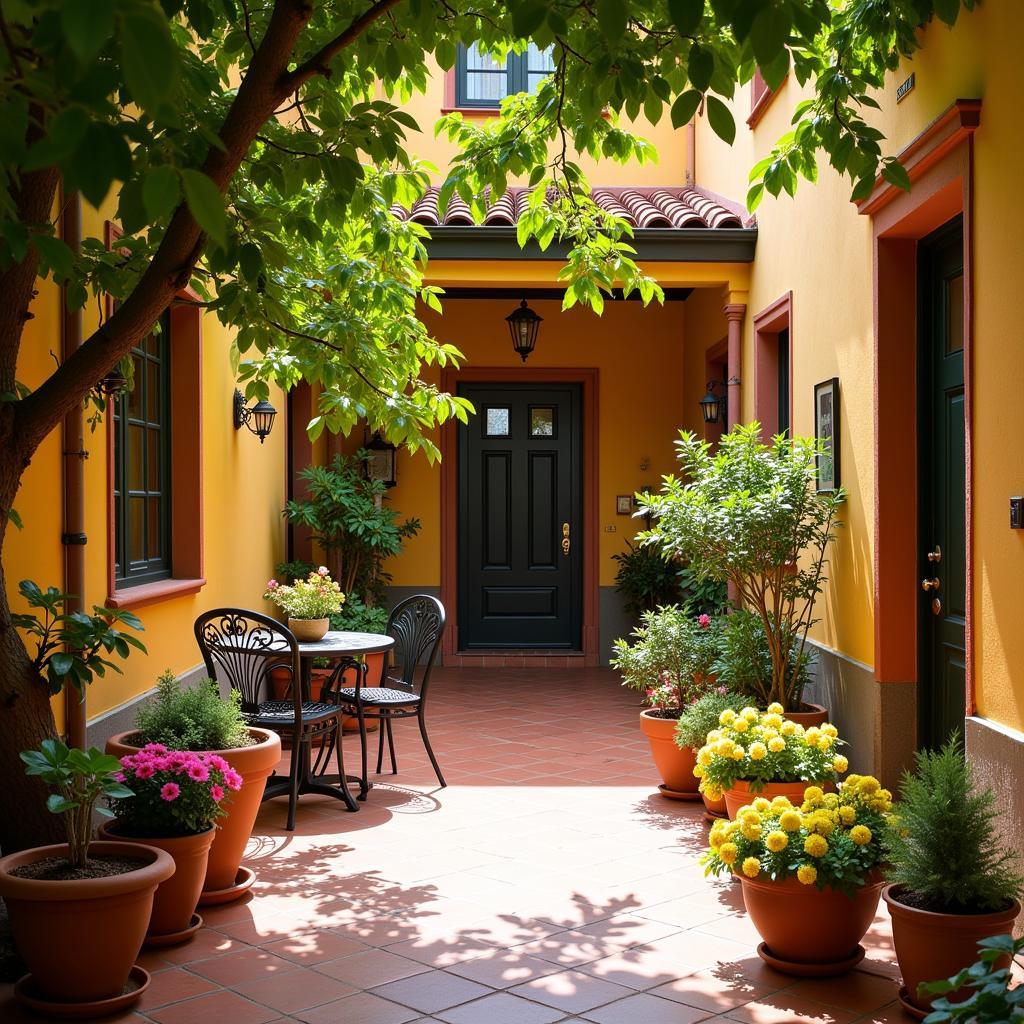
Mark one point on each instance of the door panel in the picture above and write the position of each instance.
(943, 478)
(519, 489)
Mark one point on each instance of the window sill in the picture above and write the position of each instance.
(150, 593)
(482, 111)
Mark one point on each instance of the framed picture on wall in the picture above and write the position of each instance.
(826, 429)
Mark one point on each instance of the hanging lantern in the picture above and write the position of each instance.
(524, 325)
(382, 461)
(259, 418)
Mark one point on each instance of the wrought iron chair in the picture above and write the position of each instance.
(245, 646)
(417, 624)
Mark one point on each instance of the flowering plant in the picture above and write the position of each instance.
(670, 658)
(177, 792)
(762, 746)
(832, 840)
(315, 597)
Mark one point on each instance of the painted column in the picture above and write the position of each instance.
(734, 314)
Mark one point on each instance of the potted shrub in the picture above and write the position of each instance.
(79, 910)
(696, 721)
(308, 603)
(197, 719)
(952, 883)
(754, 752)
(669, 660)
(178, 797)
(646, 579)
(991, 1000)
(748, 514)
(810, 872)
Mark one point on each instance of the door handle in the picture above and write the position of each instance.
(566, 543)
(936, 555)
(932, 584)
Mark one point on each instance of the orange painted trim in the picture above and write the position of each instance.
(150, 593)
(589, 379)
(945, 133)
(768, 324)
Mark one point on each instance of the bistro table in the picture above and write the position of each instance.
(348, 650)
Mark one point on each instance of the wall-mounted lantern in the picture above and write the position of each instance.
(259, 418)
(382, 461)
(524, 325)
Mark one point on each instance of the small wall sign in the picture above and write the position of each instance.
(904, 88)
(826, 429)
(624, 504)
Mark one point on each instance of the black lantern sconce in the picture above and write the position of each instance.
(382, 461)
(712, 405)
(524, 325)
(259, 418)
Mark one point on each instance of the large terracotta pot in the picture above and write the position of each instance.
(674, 764)
(741, 794)
(809, 931)
(176, 899)
(714, 808)
(812, 714)
(255, 764)
(79, 939)
(932, 947)
(309, 631)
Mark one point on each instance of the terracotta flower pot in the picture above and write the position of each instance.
(813, 714)
(255, 764)
(674, 764)
(932, 947)
(176, 899)
(715, 808)
(79, 939)
(309, 630)
(809, 931)
(741, 794)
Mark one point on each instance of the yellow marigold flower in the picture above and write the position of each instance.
(738, 754)
(750, 714)
(811, 734)
(776, 841)
(868, 785)
(704, 757)
(847, 815)
(741, 725)
(830, 730)
(807, 873)
(698, 771)
(728, 853)
(813, 794)
(815, 845)
(781, 803)
(831, 800)
(727, 717)
(762, 805)
(790, 821)
(860, 834)
(749, 813)
(723, 748)
(716, 839)
(789, 728)
(775, 708)
(840, 763)
(825, 743)
(758, 751)
(776, 744)
(712, 737)
(771, 721)
(751, 832)
(711, 791)
(751, 867)
(852, 782)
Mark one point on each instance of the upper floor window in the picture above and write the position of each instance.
(142, 466)
(483, 81)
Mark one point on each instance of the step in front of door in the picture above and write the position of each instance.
(516, 659)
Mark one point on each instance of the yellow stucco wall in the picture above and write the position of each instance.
(243, 495)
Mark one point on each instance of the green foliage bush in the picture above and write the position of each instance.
(702, 716)
(192, 718)
(991, 1001)
(945, 852)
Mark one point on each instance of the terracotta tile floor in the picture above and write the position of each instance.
(549, 882)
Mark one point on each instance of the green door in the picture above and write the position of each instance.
(942, 487)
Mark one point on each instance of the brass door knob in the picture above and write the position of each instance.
(932, 584)
(936, 555)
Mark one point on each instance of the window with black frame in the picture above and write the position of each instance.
(483, 81)
(142, 466)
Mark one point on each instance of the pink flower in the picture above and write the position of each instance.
(233, 779)
(169, 791)
(704, 621)
(217, 762)
(144, 771)
(217, 792)
(323, 571)
(198, 771)
(155, 748)
(120, 776)
(272, 584)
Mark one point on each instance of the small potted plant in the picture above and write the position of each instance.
(991, 1000)
(79, 910)
(178, 797)
(700, 718)
(669, 660)
(953, 883)
(197, 719)
(810, 872)
(308, 603)
(754, 752)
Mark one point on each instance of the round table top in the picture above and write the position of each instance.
(338, 642)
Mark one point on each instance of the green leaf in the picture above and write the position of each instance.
(685, 107)
(769, 32)
(947, 10)
(611, 19)
(206, 204)
(148, 57)
(55, 254)
(87, 26)
(56, 804)
(896, 174)
(528, 17)
(721, 119)
(701, 67)
(686, 15)
(102, 158)
(250, 259)
(161, 192)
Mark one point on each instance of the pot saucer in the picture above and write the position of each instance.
(805, 970)
(915, 1011)
(675, 794)
(25, 993)
(243, 883)
(712, 817)
(174, 938)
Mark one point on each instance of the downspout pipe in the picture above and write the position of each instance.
(74, 455)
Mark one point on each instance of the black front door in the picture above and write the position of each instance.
(943, 486)
(520, 522)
